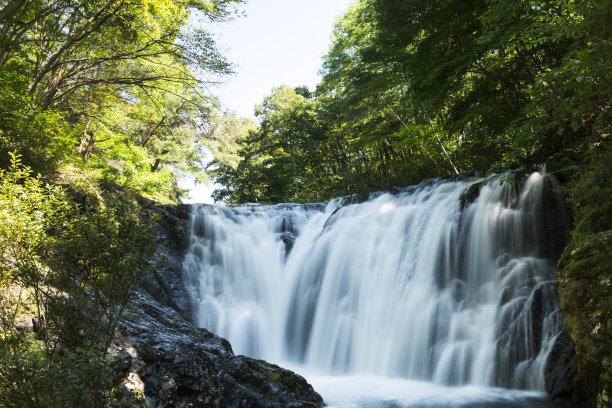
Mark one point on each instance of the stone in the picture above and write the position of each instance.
(561, 369)
(585, 298)
(165, 284)
(181, 365)
(25, 325)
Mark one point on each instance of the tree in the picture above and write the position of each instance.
(282, 160)
(74, 269)
(92, 65)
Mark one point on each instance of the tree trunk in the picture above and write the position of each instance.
(90, 145)
(150, 133)
(155, 165)
(84, 138)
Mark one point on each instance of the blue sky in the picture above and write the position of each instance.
(276, 42)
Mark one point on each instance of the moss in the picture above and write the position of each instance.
(585, 296)
(470, 194)
(286, 379)
(274, 375)
(584, 277)
(591, 266)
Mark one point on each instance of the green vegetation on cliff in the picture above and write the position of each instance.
(101, 102)
(584, 278)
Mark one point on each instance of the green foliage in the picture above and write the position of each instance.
(415, 89)
(98, 258)
(42, 137)
(66, 378)
(28, 207)
(118, 85)
(281, 160)
(73, 268)
(590, 193)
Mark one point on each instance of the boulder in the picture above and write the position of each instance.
(170, 363)
(561, 369)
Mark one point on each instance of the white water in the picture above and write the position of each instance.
(407, 286)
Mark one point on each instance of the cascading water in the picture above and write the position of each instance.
(448, 282)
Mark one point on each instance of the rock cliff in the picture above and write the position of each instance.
(164, 361)
(584, 283)
(167, 362)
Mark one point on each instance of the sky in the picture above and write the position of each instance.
(276, 42)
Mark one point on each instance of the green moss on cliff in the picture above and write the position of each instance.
(584, 279)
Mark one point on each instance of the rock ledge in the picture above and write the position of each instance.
(167, 362)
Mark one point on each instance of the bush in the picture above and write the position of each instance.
(74, 268)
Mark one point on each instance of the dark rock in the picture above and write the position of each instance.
(584, 285)
(355, 199)
(165, 283)
(37, 324)
(467, 175)
(561, 368)
(536, 309)
(175, 220)
(288, 239)
(470, 194)
(180, 365)
(506, 296)
(121, 362)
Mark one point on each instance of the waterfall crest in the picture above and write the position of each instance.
(450, 282)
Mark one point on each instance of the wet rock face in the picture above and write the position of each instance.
(584, 284)
(166, 283)
(162, 360)
(173, 364)
(561, 369)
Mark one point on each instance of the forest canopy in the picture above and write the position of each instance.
(416, 89)
(111, 88)
(103, 107)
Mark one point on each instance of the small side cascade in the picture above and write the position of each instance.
(450, 282)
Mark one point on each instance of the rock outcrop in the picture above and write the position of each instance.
(584, 284)
(561, 369)
(167, 362)
(164, 361)
(165, 284)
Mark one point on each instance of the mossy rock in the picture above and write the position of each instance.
(470, 194)
(584, 284)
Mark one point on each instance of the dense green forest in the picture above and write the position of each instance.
(103, 103)
(418, 89)
(110, 91)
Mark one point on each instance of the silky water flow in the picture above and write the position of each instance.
(440, 294)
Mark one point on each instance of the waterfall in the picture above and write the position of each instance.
(449, 282)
